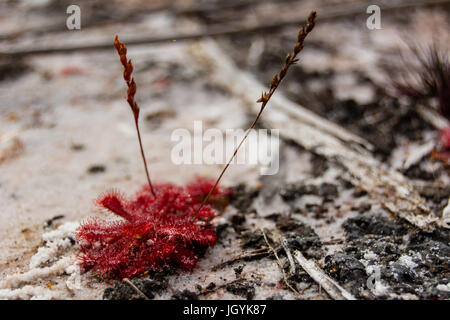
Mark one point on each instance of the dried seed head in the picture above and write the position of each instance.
(283, 72)
(120, 46)
(127, 71)
(131, 91)
(288, 58)
(275, 81)
(311, 21)
(132, 88)
(264, 98)
(301, 34)
(298, 47)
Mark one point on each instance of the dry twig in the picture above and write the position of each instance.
(432, 117)
(131, 284)
(280, 264)
(259, 253)
(284, 244)
(329, 285)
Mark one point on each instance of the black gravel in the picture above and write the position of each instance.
(393, 241)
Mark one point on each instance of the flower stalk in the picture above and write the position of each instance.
(291, 59)
(131, 91)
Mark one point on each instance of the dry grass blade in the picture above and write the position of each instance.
(291, 59)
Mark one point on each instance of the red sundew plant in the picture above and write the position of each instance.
(162, 225)
(156, 231)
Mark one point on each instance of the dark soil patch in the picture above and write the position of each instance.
(12, 67)
(292, 192)
(243, 197)
(185, 295)
(149, 285)
(243, 289)
(97, 168)
(410, 260)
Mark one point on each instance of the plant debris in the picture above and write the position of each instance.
(96, 168)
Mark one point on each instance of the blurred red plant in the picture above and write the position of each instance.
(429, 78)
(445, 138)
(442, 152)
